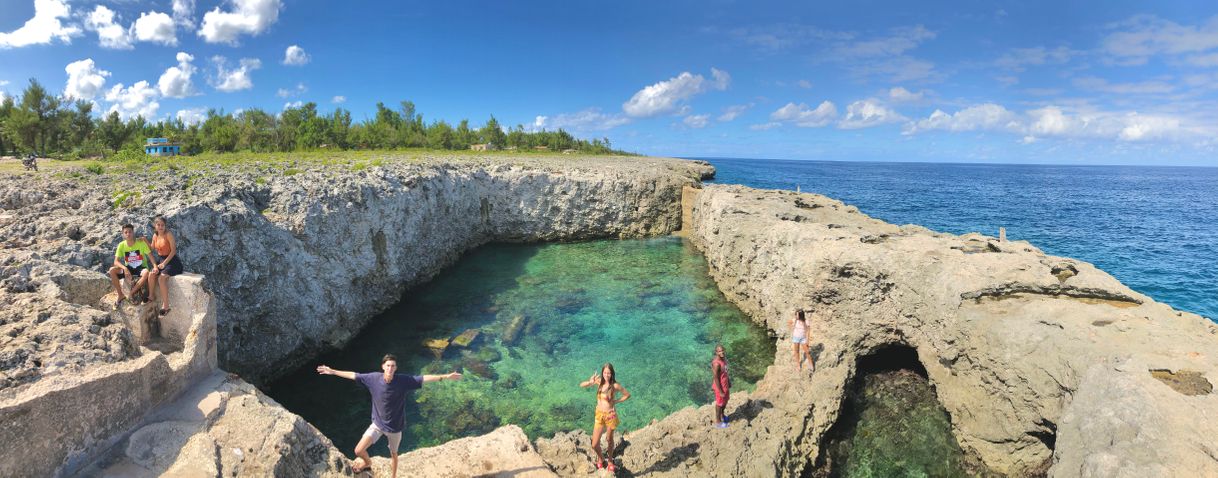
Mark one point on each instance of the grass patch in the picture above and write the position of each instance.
(125, 199)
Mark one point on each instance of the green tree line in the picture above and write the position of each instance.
(58, 127)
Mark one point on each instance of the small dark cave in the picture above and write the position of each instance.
(892, 424)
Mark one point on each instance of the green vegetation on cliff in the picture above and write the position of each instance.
(58, 127)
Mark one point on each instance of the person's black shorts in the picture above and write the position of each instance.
(136, 271)
(173, 268)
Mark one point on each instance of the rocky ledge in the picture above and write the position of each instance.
(299, 258)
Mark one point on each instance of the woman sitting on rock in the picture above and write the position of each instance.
(799, 338)
(168, 264)
(606, 413)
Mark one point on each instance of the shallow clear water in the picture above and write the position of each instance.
(893, 426)
(1153, 228)
(549, 315)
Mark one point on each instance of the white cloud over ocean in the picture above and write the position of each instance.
(669, 96)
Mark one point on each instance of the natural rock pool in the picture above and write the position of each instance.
(547, 317)
(892, 424)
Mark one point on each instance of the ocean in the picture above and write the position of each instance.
(1153, 228)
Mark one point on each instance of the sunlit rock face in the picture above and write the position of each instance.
(299, 262)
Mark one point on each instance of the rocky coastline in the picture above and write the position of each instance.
(1046, 365)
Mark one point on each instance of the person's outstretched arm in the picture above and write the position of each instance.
(436, 378)
(589, 382)
(324, 370)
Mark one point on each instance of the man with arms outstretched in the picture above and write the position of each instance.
(388, 389)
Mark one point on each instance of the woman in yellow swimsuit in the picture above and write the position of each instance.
(607, 389)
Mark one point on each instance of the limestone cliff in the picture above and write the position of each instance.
(300, 258)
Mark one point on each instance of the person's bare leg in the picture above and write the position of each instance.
(808, 353)
(163, 280)
(393, 460)
(799, 362)
(361, 453)
(609, 449)
(596, 443)
(154, 278)
(116, 279)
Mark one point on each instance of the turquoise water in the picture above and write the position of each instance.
(548, 316)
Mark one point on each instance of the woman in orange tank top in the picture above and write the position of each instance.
(165, 245)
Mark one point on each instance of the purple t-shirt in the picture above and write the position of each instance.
(389, 399)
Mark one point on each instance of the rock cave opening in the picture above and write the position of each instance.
(891, 424)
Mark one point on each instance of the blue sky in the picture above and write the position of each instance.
(1025, 82)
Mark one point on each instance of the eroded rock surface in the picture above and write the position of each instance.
(1038, 359)
(301, 260)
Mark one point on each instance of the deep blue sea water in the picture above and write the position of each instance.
(1153, 228)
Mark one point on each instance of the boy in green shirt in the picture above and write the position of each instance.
(133, 259)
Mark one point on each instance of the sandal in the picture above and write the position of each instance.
(165, 311)
(612, 467)
(600, 464)
(119, 302)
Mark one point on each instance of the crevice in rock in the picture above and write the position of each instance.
(1010, 290)
(1187, 382)
(890, 400)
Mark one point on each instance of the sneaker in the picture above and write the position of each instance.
(721, 425)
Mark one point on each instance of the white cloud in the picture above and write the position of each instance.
(85, 80)
(902, 95)
(696, 121)
(192, 115)
(1018, 59)
(668, 96)
(898, 42)
(176, 81)
(300, 89)
(137, 100)
(987, 116)
(1102, 85)
(765, 126)
(237, 79)
(293, 104)
(803, 116)
(898, 69)
(732, 112)
(1054, 121)
(773, 38)
(868, 113)
(155, 27)
(590, 119)
(44, 28)
(183, 13)
(248, 17)
(109, 33)
(1143, 36)
(295, 56)
(338, 100)
(4, 82)
(805, 84)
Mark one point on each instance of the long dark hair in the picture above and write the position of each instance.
(600, 376)
(799, 315)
